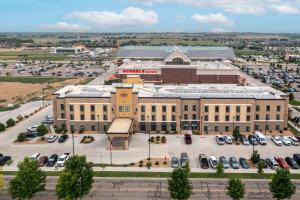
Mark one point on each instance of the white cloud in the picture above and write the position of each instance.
(64, 26)
(130, 16)
(285, 9)
(213, 18)
(218, 30)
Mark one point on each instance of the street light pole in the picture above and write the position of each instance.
(201, 125)
(110, 150)
(233, 123)
(98, 124)
(73, 142)
(266, 125)
(148, 136)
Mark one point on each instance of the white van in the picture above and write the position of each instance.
(35, 156)
(261, 138)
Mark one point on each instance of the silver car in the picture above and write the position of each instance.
(285, 140)
(224, 162)
(174, 162)
(234, 163)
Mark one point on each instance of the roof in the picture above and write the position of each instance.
(161, 52)
(120, 126)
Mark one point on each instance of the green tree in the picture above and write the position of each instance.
(281, 185)
(2, 127)
(180, 187)
(291, 96)
(235, 189)
(42, 130)
(236, 134)
(255, 157)
(220, 169)
(76, 179)
(260, 166)
(10, 122)
(29, 180)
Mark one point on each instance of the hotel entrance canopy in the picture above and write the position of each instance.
(120, 126)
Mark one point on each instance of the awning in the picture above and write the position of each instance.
(120, 126)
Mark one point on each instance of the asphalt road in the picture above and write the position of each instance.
(139, 188)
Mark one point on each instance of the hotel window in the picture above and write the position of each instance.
(153, 118)
(206, 109)
(277, 117)
(186, 108)
(71, 108)
(81, 107)
(248, 118)
(143, 126)
(194, 108)
(216, 128)
(226, 128)
(227, 118)
(227, 108)
(143, 118)
(185, 116)
(267, 117)
(82, 127)
(173, 117)
(206, 128)
(62, 106)
(194, 116)
(256, 117)
(105, 117)
(63, 125)
(268, 108)
(247, 128)
(164, 118)
(104, 108)
(278, 108)
(121, 109)
(92, 117)
(142, 108)
(237, 118)
(248, 109)
(217, 118)
(92, 108)
(127, 108)
(216, 108)
(153, 126)
(173, 108)
(163, 127)
(93, 127)
(153, 108)
(257, 127)
(257, 108)
(267, 127)
(62, 115)
(71, 117)
(277, 127)
(238, 109)
(81, 117)
(164, 108)
(206, 118)
(173, 127)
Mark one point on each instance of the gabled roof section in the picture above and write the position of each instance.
(177, 53)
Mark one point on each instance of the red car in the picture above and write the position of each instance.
(42, 161)
(188, 139)
(282, 163)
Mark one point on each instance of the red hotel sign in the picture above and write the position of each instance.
(139, 71)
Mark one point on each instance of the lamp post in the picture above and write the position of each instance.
(148, 135)
(201, 125)
(43, 98)
(73, 147)
(110, 150)
(98, 124)
(233, 123)
(266, 124)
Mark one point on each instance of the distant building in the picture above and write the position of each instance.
(68, 50)
(292, 58)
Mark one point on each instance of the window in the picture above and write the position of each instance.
(143, 118)
(173, 108)
(185, 116)
(82, 127)
(216, 128)
(268, 108)
(153, 108)
(256, 117)
(248, 118)
(164, 118)
(142, 126)
(153, 126)
(194, 108)
(267, 117)
(206, 118)
(173, 117)
(92, 108)
(227, 118)
(163, 127)
(227, 108)
(278, 108)
(62, 106)
(206, 109)
(142, 108)
(173, 127)
(153, 118)
(267, 127)
(186, 108)
(71, 117)
(194, 116)
(93, 127)
(257, 108)
(277, 127)
(127, 108)
(104, 108)
(277, 117)
(62, 115)
(164, 108)
(194, 125)
(71, 108)
(206, 128)
(217, 118)
(81, 107)
(226, 128)
(237, 118)
(81, 117)
(105, 117)
(247, 128)
(120, 108)
(238, 109)
(63, 125)
(216, 108)
(92, 117)
(248, 109)
(257, 127)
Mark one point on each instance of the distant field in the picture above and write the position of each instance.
(31, 55)
(249, 52)
(32, 79)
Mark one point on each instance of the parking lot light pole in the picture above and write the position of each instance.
(233, 123)
(73, 142)
(98, 124)
(201, 125)
(266, 125)
(43, 98)
(253, 144)
(148, 135)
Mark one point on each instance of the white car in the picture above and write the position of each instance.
(220, 139)
(52, 138)
(294, 140)
(276, 140)
(228, 139)
(213, 161)
(62, 159)
(33, 128)
(35, 156)
(285, 140)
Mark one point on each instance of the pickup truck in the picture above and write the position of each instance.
(62, 159)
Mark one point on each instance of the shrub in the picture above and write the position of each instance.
(21, 137)
(148, 165)
(10, 122)
(165, 162)
(163, 139)
(131, 163)
(2, 127)
(157, 138)
(65, 131)
(141, 165)
(255, 157)
(57, 130)
(80, 131)
(157, 163)
(141, 161)
(19, 117)
(26, 116)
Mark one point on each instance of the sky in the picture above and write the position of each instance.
(271, 16)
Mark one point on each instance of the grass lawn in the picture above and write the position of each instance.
(30, 79)
(32, 55)
(296, 108)
(294, 131)
(294, 102)
(249, 52)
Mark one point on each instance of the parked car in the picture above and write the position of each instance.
(272, 163)
(62, 159)
(252, 139)
(63, 138)
(35, 156)
(52, 138)
(228, 139)
(213, 161)
(285, 140)
(52, 160)
(296, 157)
(294, 140)
(233, 162)
(42, 161)
(292, 163)
(32, 128)
(174, 162)
(203, 160)
(188, 139)
(265, 165)
(282, 163)
(220, 139)
(276, 140)
(224, 162)
(4, 159)
(244, 163)
(48, 120)
(244, 140)
(184, 159)
(261, 138)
